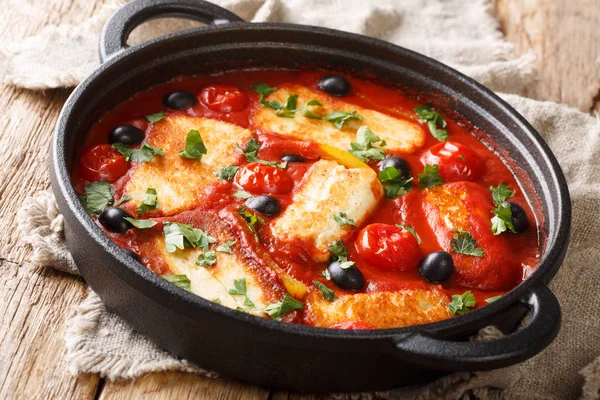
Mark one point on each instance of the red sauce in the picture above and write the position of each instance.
(293, 257)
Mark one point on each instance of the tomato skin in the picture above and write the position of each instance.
(388, 247)
(102, 163)
(222, 98)
(261, 178)
(456, 162)
(352, 325)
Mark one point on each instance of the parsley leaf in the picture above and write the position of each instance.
(342, 219)
(394, 183)
(430, 177)
(501, 193)
(339, 118)
(492, 299)
(263, 89)
(435, 122)
(251, 219)
(308, 112)
(98, 196)
(411, 230)
(239, 287)
(143, 154)
(363, 147)
(194, 146)
(461, 302)
(287, 110)
(149, 202)
(178, 280)
(242, 194)
(181, 236)
(217, 301)
(464, 243)
(141, 223)
(206, 258)
(122, 200)
(277, 310)
(251, 152)
(226, 247)
(152, 118)
(337, 250)
(227, 173)
(328, 294)
(502, 220)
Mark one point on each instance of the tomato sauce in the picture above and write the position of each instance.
(293, 257)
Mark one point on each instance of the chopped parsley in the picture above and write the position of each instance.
(152, 118)
(227, 173)
(394, 184)
(178, 280)
(277, 310)
(339, 118)
(492, 299)
(123, 199)
(464, 243)
(435, 122)
(307, 111)
(217, 301)
(461, 302)
(251, 219)
(98, 196)
(263, 89)
(363, 147)
(251, 152)
(502, 219)
(339, 252)
(328, 294)
(143, 154)
(430, 177)
(194, 146)
(226, 247)
(207, 258)
(149, 202)
(342, 219)
(239, 289)
(141, 223)
(181, 236)
(242, 194)
(411, 230)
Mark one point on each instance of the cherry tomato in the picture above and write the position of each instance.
(223, 98)
(388, 247)
(102, 163)
(261, 178)
(348, 325)
(456, 162)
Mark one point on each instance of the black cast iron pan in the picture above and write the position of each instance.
(268, 352)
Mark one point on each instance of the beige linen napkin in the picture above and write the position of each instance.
(464, 35)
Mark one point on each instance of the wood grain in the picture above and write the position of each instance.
(36, 302)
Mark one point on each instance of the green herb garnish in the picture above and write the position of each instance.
(363, 147)
(206, 258)
(430, 177)
(263, 89)
(251, 219)
(411, 230)
(226, 247)
(492, 299)
(227, 173)
(149, 202)
(434, 121)
(143, 154)
(181, 236)
(339, 118)
(342, 219)
(307, 111)
(242, 194)
(277, 310)
(339, 252)
(394, 184)
(141, 223)
(502, 219)
(123, 199)
(501, 193)
(178, 280)
(251, 152)
(328, 294)
(194, 146)
(464, 243)
(152, 118)
(98, 196)
(461, 302)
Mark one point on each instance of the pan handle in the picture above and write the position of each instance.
(518, 346)
(117, 29)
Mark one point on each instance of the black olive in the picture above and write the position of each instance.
(437, 267)
(292, 158)
(126, 134)
(179, 100)
(399, 163)
(335, 85)
(266, 205)
(346, 278)
(113, 219)
(519, 217)
(133, 255)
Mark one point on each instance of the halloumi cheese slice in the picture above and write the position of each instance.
(327, 189)
(380, 309)
(180, 182)
(401, 135)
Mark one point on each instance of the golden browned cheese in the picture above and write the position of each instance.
(400, 134)
(180, 182)
(327, 189)
(380, 309)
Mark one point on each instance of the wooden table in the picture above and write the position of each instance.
(36, 302)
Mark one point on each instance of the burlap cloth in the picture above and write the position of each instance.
(463, 35)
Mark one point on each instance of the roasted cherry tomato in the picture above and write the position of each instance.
(223, 98)
(261, 178)
(456, 162)
(388, 247)
(102, 163)
(353, 325)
